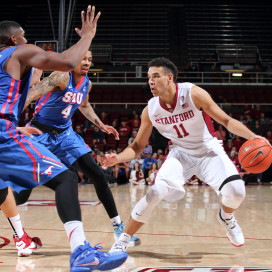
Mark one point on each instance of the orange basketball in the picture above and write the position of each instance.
(255, 156)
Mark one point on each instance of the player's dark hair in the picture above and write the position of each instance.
(168, 66)
(7, 29)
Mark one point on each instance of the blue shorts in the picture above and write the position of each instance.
(68, 146)
(24, 163)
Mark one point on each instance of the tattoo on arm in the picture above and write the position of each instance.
(88, 111)
(55, 82)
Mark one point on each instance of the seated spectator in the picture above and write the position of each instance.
(147, 149)
(98, 136)
(155, 156)
(194, 180)
(124, 129)
(152, 173)
(159, 151)
(250, 121)
(237, 142)
(268, 136)
(228, 146)
(121, 171)
(104, 118)
(257, 112)
(134, 123)
(220, 133)
(114, 124)
(136, 175)
(108, 170)
(233, 157)
(257, 128)
(247, 111)
(148, 161)
(79, 131)
(160, 160)
(132, 138)
(137, 159)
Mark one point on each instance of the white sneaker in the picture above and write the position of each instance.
(118, 246)
(234, 232)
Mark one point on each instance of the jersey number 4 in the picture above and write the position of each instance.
(185, 133)
(66, 112)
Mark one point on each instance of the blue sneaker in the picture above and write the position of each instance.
(86, 258)
(118, 229)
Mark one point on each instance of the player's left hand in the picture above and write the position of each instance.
(29, 131)
(110, 130)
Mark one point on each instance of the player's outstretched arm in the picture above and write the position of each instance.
(137, 145)
(67, 60)
(57, 81)
(203, 101)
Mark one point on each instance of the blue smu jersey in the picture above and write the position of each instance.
(13, 92)
(56, 108)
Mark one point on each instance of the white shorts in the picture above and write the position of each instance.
(213, 168)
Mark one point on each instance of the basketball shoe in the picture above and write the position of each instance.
(234, 232)
(118, 229)
(86, 258)
(26, 245)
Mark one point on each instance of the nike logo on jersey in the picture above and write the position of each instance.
(95, 262)
(259, 153)
(138, 214)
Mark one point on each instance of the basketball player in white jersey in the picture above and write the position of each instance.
(181, 112)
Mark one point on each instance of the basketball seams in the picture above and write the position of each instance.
(253, 151)
(261, 160)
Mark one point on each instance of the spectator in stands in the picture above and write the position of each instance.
(79, 131)
(151, 174)
(194, 180)
(269, 136)
(108, 170)
(114, 124)
(257, 128)
(133, 136)
(160, 160)
(250, 121)
(257, 112)
(247, 110)
(124, 129)
(237, 142)
(155, 156)
(228, 146)
(136, 175)
(121, 172)
(148, 149)
(98, 136)
(233, 157)
(132, 115)
(220, 133)
(264, 121)
(148, 161)
(159, 152)
(134, 123)
(138, 159)
(104, 117)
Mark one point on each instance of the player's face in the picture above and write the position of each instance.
(19, 37)
(158, 80)
(83, 67)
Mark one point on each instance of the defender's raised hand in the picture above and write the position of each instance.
(89, 22)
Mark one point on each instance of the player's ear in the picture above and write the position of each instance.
(13, 39)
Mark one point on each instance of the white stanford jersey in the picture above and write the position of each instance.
(186, 126)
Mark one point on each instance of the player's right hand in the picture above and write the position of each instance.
(110, 159)
(89, 22)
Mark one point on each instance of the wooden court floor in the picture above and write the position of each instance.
(182, 235)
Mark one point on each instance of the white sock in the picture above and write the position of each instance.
(124, 238)
(16, 224)
(75, 233)
(116, 220)
(226, 216)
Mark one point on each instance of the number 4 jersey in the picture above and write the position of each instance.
(56, 108)
(186, 126)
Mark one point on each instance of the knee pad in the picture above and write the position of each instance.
(3, 195)
(144, 208)
(233, 193)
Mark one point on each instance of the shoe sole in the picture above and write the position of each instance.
(101, 267)
(222, 224)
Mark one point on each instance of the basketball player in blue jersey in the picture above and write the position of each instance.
(25, 163)
(63, 93)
